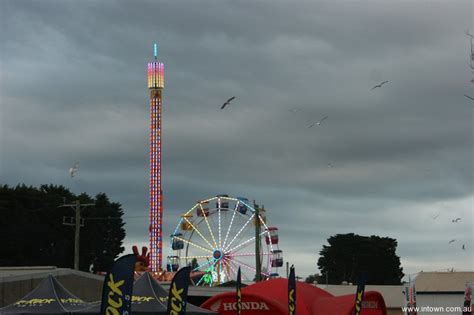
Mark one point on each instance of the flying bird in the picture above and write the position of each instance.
(379, 85)
(456, 220)
(294, 110)
(451, 241)
(227, 102)
(472, 99)
(318, 123)
(330, 165)
(463, 247)
(435, 216)
(73, 169)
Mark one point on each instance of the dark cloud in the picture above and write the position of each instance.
(73, 88)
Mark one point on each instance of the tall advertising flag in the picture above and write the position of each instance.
(118, 287)
(178, 295)
(292, 292)
(410, 298)
(360, 293)
(467, 307)
(238, 287)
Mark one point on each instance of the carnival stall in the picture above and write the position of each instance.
(49, 297)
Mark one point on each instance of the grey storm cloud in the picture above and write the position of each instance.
(73, 88)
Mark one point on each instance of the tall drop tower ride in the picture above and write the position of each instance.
(156, 82)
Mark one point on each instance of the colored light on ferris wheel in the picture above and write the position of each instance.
(155, 50)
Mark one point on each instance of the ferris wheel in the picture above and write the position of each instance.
(220, 234)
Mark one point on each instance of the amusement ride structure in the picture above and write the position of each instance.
(219, 234)
(156, 83)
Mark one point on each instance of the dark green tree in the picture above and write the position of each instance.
(31, 223)
(349, 255)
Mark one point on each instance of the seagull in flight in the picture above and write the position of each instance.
(294, 110)
(471, 98)
(379, 85)
(318, 123)
(451, 241)
(456, 220)
(227, 102)
(73, 169)
(435, 216)
(463, 247)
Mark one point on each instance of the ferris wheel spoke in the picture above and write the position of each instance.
(195, 245)
(240, 231)
(246, 242)
(247, 254)
(205, 264)
(198, 232)
(191, 257)
(237, 267)
(240, 248)
(228, 261)
(231, 221)
(242, 236)
(248, 266)
(226, 271)
(228, 265)
(219, 215)
(208, 226)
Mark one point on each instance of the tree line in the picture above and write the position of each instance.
(33, 233)
(349, 255)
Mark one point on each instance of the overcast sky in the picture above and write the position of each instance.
(385, 162)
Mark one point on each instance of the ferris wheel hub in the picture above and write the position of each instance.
(217, 254)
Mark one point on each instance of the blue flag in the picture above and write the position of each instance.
(178, 295)
(118, 287)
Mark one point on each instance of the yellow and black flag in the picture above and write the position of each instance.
(292, 292)
(178, 295)
(238, 287)
(118, 287)
(360, 293)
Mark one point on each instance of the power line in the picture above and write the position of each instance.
(116, 218)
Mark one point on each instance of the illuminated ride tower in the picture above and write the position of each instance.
(156, 82)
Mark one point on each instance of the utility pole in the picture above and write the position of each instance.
(287, 268)
(258, 265)
(77, 227)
